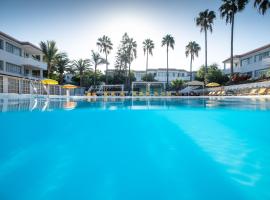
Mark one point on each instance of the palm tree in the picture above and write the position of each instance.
(192, 49)
(130, 49)
(105, 45)
(148, 46)
(205, 21)
(96, 60)
(62, 65)
(168, 41)
(263, 5)
(177, 84)
(81, 66)
(228, 10)
(49, 51)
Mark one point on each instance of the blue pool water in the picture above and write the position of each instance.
(124, 149)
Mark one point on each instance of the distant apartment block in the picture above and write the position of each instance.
(20, 59)
(254, 63)
(160, 74)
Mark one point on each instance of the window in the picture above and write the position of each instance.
(1, 65)
(261, 56)
(13, 85)
(1, 44)
(245, 61)
(25, 86)
(26, 72)
(1, 84)
(12, 49)
(16, 69)
(26, 55)
(261, 73)
(36, 73)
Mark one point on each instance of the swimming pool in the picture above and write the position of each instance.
(130, 149)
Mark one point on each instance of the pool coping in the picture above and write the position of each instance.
(27, 96)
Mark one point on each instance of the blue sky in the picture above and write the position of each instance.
(76, 25)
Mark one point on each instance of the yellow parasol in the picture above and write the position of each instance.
(69, 86)
(213, 84)
(49, 82)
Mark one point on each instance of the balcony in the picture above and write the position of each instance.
(19, 60)
(34, 63)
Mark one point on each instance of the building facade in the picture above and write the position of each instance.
(255, 63)
(160, 74)
(20, 59)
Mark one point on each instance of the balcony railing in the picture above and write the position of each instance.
(34, 63)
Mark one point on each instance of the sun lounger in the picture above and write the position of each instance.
(134, 93)
(141, 94)
(268, 91)
(105, 94)
(262, 91)
(112, 93)
(122, 94)
(169, 94)
(223, 93)
(218, 93)
(155, 93)
(147, 94)
(253, 92)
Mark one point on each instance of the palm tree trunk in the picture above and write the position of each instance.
(206, 69)
(126, 75)
(81, 79)
(146, 64)
(49, 70)
(167, 67)
(191, 67)
(232, 30)
(61, 78)
(106, 68)
(129, 81)
(95, 76)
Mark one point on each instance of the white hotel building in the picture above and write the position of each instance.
(18, 61)
(254, 63)
(160, 74)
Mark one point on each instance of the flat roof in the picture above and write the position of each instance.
(19, 42)
(249, 52)
(163, 69)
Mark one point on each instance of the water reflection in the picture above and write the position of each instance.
(49, 104)
(233, 139)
